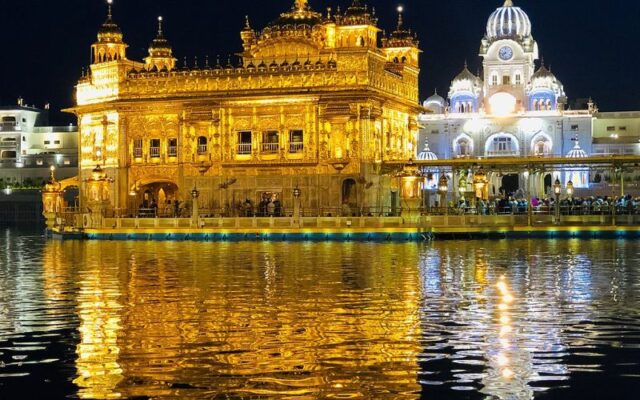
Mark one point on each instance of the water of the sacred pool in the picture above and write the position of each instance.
(262, 320)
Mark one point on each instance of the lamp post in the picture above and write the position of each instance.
(296, 204)
(195, 212)
(570, 193)
(479, 185)
(557, 189)
(443, 188)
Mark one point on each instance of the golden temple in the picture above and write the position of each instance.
(315, 105)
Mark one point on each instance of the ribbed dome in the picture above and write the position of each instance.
(577, 152)
(466, 75)
(357, 14)
(435, 99)
(160, 46)
(426, 154)
(508, 22)
(110, 31)
(542, 72)
(301, 15)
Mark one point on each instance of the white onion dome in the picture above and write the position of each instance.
(466, 82)
(544, 80)
(426, 154)
(577, 151)
(435, 103)
(508, 22)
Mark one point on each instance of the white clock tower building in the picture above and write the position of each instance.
(509, 52)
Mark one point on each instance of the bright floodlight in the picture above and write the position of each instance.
(502, 104)
(160, 18)
(400, 9)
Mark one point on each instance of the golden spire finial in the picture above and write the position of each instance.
(400, 22)
(247, 25)
(110, 3)
(301, 5)
(508, 3)
(160, 25)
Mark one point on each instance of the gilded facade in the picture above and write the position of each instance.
(315, 101)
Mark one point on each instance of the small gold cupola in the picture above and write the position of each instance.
(402, 46)
(110, 45)
(160, 53)
(248, 35)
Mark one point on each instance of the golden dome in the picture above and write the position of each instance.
(110, 31)
(160, 46)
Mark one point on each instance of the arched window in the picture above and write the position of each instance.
(395, 60)
(360, 41)
(541, 145)
(404, 60)
(463, 147)
(502, 145)
(548, 105)
(202, 145)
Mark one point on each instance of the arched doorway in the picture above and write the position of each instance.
(349, 196)
(510, 184)
(157, 197)
(547, 183)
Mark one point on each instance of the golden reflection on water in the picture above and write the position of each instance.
(186, 320)
(201, 319)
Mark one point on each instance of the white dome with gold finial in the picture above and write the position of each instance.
(508, 22)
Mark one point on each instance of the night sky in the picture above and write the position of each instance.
(592, 46)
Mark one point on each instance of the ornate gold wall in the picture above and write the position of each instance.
(315, 100)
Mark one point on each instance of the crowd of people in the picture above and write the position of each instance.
(593, 205)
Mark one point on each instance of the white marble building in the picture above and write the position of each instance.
(515, 108)
(29, 147)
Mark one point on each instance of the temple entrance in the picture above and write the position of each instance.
(510, 184)
(349, 197)
(548, 180)
(268, 206)
(157, 199)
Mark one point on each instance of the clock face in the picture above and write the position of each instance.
(505, 53)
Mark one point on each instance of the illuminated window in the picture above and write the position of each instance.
(464, 148)
(296, 141)
(202, 145)
(172, 147)
(270, 142)
(244, 142)
(137, 148)
(518, 79)
(494, 80)
(154, 148)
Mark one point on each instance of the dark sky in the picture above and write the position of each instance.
(593, 46)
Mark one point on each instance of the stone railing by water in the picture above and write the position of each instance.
(410, 219)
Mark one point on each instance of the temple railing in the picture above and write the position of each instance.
(339, 218)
